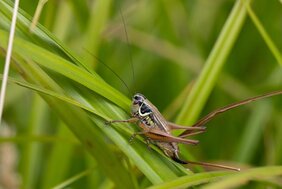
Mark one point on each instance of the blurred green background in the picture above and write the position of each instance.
(158, 48)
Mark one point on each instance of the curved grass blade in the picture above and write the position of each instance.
(80, 124)
(114, 137)
(241, 178)
(208, 77)
(36, 138)
(62, 66)
(41, 36)
(155, 167)
(58, 96)
(192, 180)
(72, 179)
(98, 20)
(269, 42)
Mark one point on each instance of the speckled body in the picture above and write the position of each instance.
(150, 119)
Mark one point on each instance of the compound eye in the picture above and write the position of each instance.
(136, 97)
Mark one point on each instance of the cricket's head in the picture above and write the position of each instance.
(137, 104)
(138, 99)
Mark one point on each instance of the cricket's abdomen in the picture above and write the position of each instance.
(170, 149)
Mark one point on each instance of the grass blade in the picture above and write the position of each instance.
(191, 180)
(239, 179)
(207, 79)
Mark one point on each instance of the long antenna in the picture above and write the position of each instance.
(109, 68)
(128, 48)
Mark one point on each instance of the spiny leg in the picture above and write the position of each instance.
(216, 112)
(158, 135)
(130, 120)
(214, 165)
(174, 126)
(148, 143)
(192, 134)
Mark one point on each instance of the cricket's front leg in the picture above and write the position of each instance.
(148, 143)
(130, 120)
(147, 139)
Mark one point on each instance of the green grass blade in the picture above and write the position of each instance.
(41, 36)
(169, 44)
(253, 132)
(82, 127)
(158, 172)
(269, 42)
(58, 64)
(97, 23)
(241, 178)
(72, 179)
(58, 96)
(32, 152)
(36, 138)
(59, 161)
(191, 180)
(213, 66)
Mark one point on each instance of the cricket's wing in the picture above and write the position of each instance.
(158, 118)
(164, 125)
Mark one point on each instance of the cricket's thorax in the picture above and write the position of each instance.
(147, 113)
(141, 110)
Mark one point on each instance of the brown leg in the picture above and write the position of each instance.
(214, 165)
(148, 142)
(173, 126)
(158, 135)
(130, 120)
(191, 134)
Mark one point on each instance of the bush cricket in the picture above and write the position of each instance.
(157, 129)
